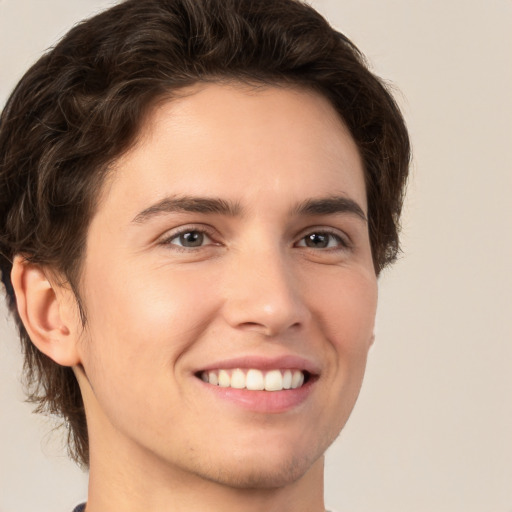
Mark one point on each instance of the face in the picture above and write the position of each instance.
(229, 288)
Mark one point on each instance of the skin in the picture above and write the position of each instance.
(158, 312)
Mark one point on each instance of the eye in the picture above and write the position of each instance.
(322, 240)
(191, 238)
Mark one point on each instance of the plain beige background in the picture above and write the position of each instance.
(433, 427)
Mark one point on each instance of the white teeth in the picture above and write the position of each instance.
(273, 381)
(238, 379)
(297, 379)
(255, 380)
(224, 379)
(287, 379)
(213, 378)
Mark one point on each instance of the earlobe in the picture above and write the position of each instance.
(43, 307)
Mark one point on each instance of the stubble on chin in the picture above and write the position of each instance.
(258, 474)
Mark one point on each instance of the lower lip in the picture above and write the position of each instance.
(268, 402)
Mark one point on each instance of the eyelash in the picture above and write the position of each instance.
(342, 241)
(168, 240)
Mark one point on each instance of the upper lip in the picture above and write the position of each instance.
(291, 362)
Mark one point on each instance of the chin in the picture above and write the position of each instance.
(258, 476)
(267, 468)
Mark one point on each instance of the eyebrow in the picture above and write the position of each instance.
(189, 204)
(320, 206)
(330, 205)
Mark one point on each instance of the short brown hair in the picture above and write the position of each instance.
(81, 106)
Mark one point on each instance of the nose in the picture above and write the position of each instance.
(262, 294)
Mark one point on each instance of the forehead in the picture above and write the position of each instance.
(237, 141)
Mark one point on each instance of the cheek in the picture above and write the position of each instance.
(347, 304)
(132, 303)
(138, 328)
(140, 324)
(345, 308)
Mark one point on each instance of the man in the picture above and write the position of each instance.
(196, 200)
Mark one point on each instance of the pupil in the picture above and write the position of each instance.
(317, 240)
(192, 239)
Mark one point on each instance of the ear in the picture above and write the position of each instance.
(47, 310)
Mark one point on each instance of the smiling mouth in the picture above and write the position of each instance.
(255, 380)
